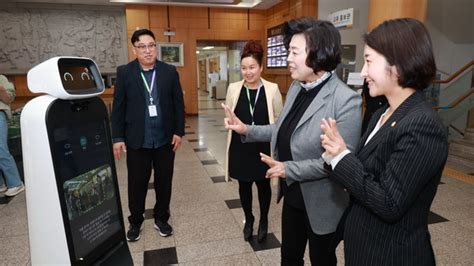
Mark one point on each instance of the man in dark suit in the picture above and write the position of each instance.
(148, 124)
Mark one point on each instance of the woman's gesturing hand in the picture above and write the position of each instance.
(232, 122)
(331, 141)
(277, 169)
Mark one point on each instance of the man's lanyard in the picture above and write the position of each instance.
(149, 88)
(252, 109)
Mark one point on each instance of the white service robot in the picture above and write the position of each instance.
(73, 203)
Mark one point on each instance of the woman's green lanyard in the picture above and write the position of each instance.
(151, 107)
(252, 109)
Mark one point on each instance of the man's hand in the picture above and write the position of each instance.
(232, 122)
(118, 148)
(176, 142)
(277, 169)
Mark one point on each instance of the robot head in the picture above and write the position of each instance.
(66, 77)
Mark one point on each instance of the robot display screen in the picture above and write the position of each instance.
(78, 75)
(87, 186)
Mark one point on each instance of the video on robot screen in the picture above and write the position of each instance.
(88, 187)
(76, 78)
(88, 191)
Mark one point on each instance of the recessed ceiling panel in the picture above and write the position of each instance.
(230, 2)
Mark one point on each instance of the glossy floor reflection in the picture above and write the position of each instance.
(208, 220)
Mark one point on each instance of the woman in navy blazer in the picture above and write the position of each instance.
(393, 176)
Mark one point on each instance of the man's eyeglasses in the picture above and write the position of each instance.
(142, 47)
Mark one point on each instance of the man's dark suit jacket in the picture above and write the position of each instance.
(392, 182)
(131, 103)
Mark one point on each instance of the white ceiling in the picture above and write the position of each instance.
(255, 4)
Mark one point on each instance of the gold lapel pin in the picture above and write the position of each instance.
(393, 123)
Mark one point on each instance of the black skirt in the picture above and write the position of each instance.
(244, 158)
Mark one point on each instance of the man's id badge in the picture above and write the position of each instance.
(152, 110)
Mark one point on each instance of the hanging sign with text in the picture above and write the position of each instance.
(342, 18)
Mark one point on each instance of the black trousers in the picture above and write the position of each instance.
(139, 164)
(264, 197)
(296, 232)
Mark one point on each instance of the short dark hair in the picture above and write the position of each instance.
(253, 49)
(406, 44)
(136, 34)
(323, 42)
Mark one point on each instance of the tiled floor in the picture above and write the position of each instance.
(208, 220)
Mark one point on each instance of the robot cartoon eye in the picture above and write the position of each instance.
(77, 77)
(85, 75)
(67, 76)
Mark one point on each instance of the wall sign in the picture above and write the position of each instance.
(342, 18)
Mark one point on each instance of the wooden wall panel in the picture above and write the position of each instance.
(159, 36)
(158, 17)
(189, 23)
(185, 22)
(187, 73)
(257, 19)
(284, 81)
(229, 19)
(311, 8)
(234, 35)
(23, 94)
(131, 56)
(159, 22)
(380, 11)
(290, 9)
(188, 18)
(470, 118)
(137, 17)
(228, 13)
(278, 15)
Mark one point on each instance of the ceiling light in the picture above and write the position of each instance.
(208, 48)
(208, 3)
